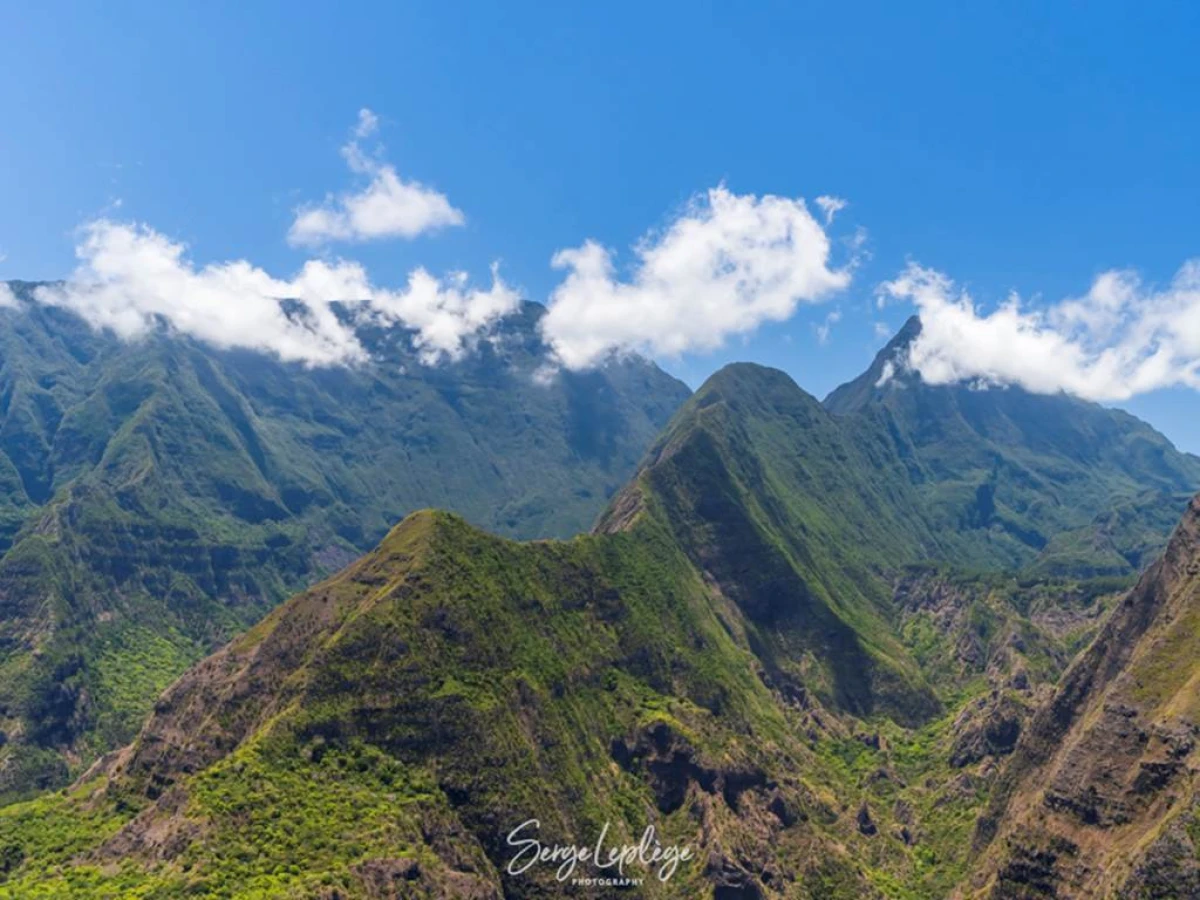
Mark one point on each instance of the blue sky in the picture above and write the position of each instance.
(1010, 146)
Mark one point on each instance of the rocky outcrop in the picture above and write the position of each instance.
(987, 726)
(671, 765)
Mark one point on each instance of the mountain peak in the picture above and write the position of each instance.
(906, 335)
(857, 393)
(752, 386)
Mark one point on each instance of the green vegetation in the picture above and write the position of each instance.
(448, 680)
(157, 497)
(802, 641)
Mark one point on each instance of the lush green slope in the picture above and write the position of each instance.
(158, 497)
(384, 733)
(400, 720)
(1014, 479)
(796, 518)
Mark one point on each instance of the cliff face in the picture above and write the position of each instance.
(1100, 796)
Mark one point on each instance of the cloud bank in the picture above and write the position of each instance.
(723, 267)
(1120, 339)
(130, 278)
(386, 207)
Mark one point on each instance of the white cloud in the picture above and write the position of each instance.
(882, 330)
(8, 300)
(727, 264)
(825, 328)
(886, 373)
(830, 206)
(131, 277)
(1120, 339)
(367, 125)
(386, 207)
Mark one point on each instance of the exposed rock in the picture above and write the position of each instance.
(989, 726)
(1168, 868)
(1031, 871)
(394, 879)
(731, 881)
(866, 825)
(1096, 800)
(869, 739)
(672, 765)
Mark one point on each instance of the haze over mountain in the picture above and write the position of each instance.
(764, 650)
(159, 496)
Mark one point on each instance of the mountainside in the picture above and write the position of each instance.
(384, 733)
(1100, 798)
(767, 650)
(157, 497)
(795, 517)
(1015, 479)
(732, 657)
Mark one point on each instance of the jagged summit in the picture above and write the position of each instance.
(887, 366)
(793, 513)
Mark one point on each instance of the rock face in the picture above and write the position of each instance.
(1099, 798)
(988, 726)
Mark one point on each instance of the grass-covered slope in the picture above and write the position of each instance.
(796, 518)
(157, 497)
(393, 725)
(1016, 479)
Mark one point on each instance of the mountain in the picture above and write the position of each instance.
(385, 732)
(793, 516)
(1016, 479)
(1100, 799)
(736, 656)
(770, 649)
(159, 496)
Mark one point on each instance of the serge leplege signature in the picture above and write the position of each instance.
(647, 853)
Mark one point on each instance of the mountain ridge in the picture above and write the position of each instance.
(159, 496)
(1104, 778)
